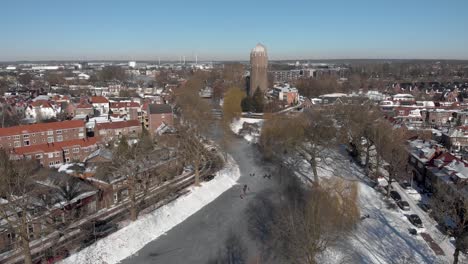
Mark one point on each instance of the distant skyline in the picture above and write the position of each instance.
(228, 30)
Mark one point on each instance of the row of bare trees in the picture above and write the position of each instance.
(299, 224)
(34, 204)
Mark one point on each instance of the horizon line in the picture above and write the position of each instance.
(230, 60)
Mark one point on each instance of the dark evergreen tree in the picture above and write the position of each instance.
(258, 100)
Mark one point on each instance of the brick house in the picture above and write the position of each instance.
(128, 110)
(106, 132)
(421, 152)
(457, 138)
(85, 202)
(84, 108)
(438, 117)
(37, 134)
(57, 153)
(100, 103)
(157, 115)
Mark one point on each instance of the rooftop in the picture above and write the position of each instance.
(25, 129)
(160, 109)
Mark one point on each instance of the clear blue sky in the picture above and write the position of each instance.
(229, 29)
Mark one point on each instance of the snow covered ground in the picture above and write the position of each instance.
(237, 125)
(133, 237)
(383, 237)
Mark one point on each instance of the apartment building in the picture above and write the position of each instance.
(37, 134)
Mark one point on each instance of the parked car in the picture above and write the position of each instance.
(405, 185)
(209, 177)
(415, 220)
(404, 205)
(395, 195)
(102, 229)
(425, 207)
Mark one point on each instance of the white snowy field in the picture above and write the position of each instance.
(237, 125)
(130, 239)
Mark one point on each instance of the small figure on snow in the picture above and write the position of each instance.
(245, 188)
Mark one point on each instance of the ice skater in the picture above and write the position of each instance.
(245, 189)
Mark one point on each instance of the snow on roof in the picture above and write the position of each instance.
(334, 95)
(459, 168)
(403, 95)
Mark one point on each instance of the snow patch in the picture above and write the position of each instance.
(251, 136)
(132, 238)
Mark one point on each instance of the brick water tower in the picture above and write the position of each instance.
(259, 68)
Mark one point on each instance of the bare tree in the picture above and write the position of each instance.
(449, 206)
(132, 163)
(304, 223)
(393, 152)
(18, 207)
(195, 120)
(309, 135)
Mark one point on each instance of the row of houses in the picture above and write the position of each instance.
(431, 164)
(57, 143)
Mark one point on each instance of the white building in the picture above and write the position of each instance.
(83, 76)
(41, 110)
(403, 97)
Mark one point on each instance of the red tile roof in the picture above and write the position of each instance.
(56, 146)
(84, 105)
(99, 100)
(42, 103)
(41, 127)
(117, 125)
(124, 104)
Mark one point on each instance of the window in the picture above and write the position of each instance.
(38, 156)
(59, 138)
(58, 132)
(81, 129)
(56, 154)
(34, 141)
(401, 112)
(17, 144)
(50, 132)
(116, 197)
(26, 142)
(11, 237)
(8, 137)
(51, 163)
(76, 150)
(33, 134)
(81, 135)
(57, 162)
(67, 160)
(50, 139)
(26, 136)
(50, 155)
(16, 137)
(30, 231)
(66, 151)
(28, 157)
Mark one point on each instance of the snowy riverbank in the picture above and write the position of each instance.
(136, 235)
